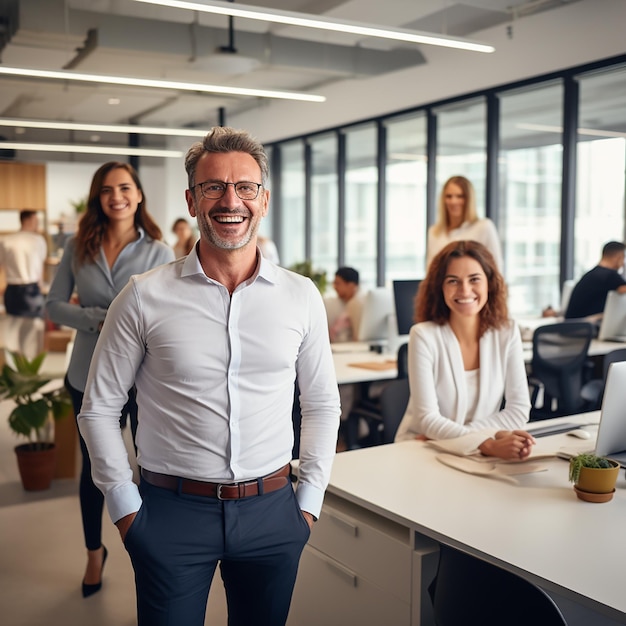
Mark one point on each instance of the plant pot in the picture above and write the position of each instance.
(594, 481)
(36, 465)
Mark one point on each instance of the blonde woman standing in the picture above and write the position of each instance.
(457, 219)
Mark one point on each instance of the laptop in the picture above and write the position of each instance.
(613, 324)
(611, 439)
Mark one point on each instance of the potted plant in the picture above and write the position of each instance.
(594, 477)
(305, 268)
(36, 410)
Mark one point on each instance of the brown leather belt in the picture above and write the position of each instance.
(221, 491)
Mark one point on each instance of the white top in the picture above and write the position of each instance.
(482, 230)
(215, 381)
(439, 405)
(23, 255)
(344, 318)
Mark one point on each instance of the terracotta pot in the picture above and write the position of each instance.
(36, 466)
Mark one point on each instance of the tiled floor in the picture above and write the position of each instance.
(42, 555)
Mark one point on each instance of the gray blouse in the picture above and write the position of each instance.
(96, 286)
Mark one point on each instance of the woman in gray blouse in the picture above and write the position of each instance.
(116, 238)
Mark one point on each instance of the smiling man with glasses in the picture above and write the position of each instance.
(214, 342)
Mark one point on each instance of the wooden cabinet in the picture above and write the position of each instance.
(361, 568)
(22, 186)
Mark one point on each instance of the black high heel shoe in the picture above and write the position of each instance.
(89, 590)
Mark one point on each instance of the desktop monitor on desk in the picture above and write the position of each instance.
(377, 309)
(404, 292)
(613, 324)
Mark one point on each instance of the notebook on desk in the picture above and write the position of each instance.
(611, 439)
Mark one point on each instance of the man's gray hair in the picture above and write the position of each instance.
(225, 139)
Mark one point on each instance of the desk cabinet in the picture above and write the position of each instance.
(361, 568)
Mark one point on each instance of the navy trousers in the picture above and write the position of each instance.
(177, 540)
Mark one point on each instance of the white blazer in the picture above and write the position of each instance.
(438, 404)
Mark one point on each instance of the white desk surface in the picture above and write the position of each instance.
(347, 372)
(596, 348)
(537, 528)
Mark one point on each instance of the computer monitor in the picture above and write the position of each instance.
(377, 307)
(404, 292)
(613, 324)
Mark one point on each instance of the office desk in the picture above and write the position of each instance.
(347, 372)
(373, 551)
(596, 348)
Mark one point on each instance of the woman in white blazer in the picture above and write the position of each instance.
(465, 358)
(457, 220)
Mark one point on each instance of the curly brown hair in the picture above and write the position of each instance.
(430, 304)
(94, 223)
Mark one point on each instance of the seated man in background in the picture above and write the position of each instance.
(344, 318)
(344, 312)
(589, 295)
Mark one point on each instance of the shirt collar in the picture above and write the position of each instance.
(265, 270)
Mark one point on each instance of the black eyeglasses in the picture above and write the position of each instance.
(215, 189)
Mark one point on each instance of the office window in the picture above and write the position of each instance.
(324, 203)
(530, 172)
(361, 202)
(292, 201)
(462, 145)
(405, 220)
(601, 165)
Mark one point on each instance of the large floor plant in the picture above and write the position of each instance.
(34, 406)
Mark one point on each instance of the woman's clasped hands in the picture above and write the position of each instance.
(509, 445)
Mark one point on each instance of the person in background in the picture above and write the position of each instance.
(214, 342)
(457, 219)
(116, 238)
(344, 312)
(465, 358)
(268, 249)
(184, 237)
(23, 255)
(589, 294)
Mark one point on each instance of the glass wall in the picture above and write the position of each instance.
(528, 183)
(601, 164)
(324, 203)
(405, 178)
(292, 202)
(362, 202)
(462, 145)
(530, 173)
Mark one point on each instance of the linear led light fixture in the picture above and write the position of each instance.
(59, 147)
(581, 131)
(159, 84)
(323, 23)
(104, 128)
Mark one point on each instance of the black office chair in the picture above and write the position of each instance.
(381, 415)
(393, 402)
(558, 363)
(468, 590)
(593, 390)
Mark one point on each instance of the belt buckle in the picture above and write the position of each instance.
(218, 492)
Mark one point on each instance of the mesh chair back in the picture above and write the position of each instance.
(403, 361)
(559, 355)
(394, 399)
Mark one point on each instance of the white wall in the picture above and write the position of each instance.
(575, 34)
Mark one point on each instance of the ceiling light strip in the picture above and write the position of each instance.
(104, 128)
(47, 147)
(159, 84)
(323, 23)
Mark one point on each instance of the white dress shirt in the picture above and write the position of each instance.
(440, 406)
(215, 381)
(482, 230)
(23, 255)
